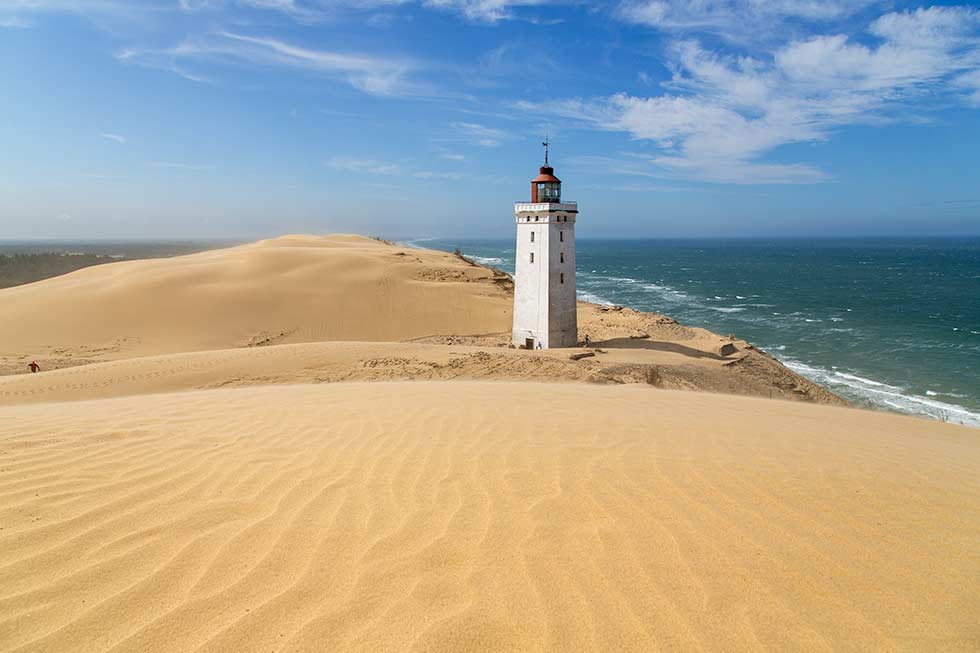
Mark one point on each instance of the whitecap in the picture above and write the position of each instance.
(486, 260)
(727, 309)
(880, 394)
(593, 298)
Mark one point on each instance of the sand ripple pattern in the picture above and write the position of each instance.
(483, 516)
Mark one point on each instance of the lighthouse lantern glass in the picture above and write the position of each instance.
(549, 191)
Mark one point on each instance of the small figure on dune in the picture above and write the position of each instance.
(586, 340)
(34, 367)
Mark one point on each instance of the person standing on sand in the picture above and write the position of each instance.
(34, 367)
(586, 340)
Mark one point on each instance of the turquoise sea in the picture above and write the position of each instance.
(888, 323)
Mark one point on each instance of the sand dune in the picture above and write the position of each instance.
(328, 290)
(289, 289)
(476, 515)
(655, 365)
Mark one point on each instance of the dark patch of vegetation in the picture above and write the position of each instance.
(17, 269)
(26, 262)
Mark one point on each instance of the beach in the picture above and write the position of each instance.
(325, 443)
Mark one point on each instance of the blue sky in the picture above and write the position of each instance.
(248, 118)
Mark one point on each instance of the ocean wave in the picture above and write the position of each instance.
(884, 395)
(414, 242)
(586, 296)
(486, 260)
(727, 309)
(623, 279)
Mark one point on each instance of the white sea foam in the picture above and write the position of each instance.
(727, 309)
(486, 260)
(414, 242)
(740, 297)
(595, 299)
(885, 395)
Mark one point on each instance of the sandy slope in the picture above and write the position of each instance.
(477, 515)
(333, 289)
(289, 289)
(330, 362)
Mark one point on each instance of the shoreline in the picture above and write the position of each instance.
(857, 386)
(273, 293)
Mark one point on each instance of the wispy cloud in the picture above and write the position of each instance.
(478, 134)
(179, 166)
(369, 168)
(13, 22)
(364, 166)
(113, 137)
(372, 74)
(475, 10)
(489, 11)
(724, 113)
(737, 20)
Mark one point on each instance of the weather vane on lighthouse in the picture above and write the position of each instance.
(544, 270)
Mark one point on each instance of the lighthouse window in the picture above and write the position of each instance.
(532, 257)
(561, 236)
(562, 277)
(532, 236)
(561, 257)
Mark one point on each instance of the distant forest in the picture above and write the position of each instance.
(18, 269)
(22, 263)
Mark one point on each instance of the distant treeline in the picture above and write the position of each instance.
(17, 269)
(28, 261)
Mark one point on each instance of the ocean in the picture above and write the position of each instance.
(892, 324)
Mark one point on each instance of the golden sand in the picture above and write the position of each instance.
(483, 516)
(258, 448)
(191, 321)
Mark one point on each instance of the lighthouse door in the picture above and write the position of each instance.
(529, 343)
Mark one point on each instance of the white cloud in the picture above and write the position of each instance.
(370, 168)
(179, 166)
(375, 75)
(724, 114)
(13, 22)
(479, 134)
(475, 10)
(735, 20)
(114, 137)
(364, 166)
(483, 10)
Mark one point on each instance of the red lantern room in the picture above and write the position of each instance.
(546, 187)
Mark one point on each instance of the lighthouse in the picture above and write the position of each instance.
(544, 270)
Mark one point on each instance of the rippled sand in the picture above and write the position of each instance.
(479, 515)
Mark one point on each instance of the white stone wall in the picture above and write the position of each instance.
(544, 306)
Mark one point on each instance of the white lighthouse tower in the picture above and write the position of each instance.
(544, 272)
